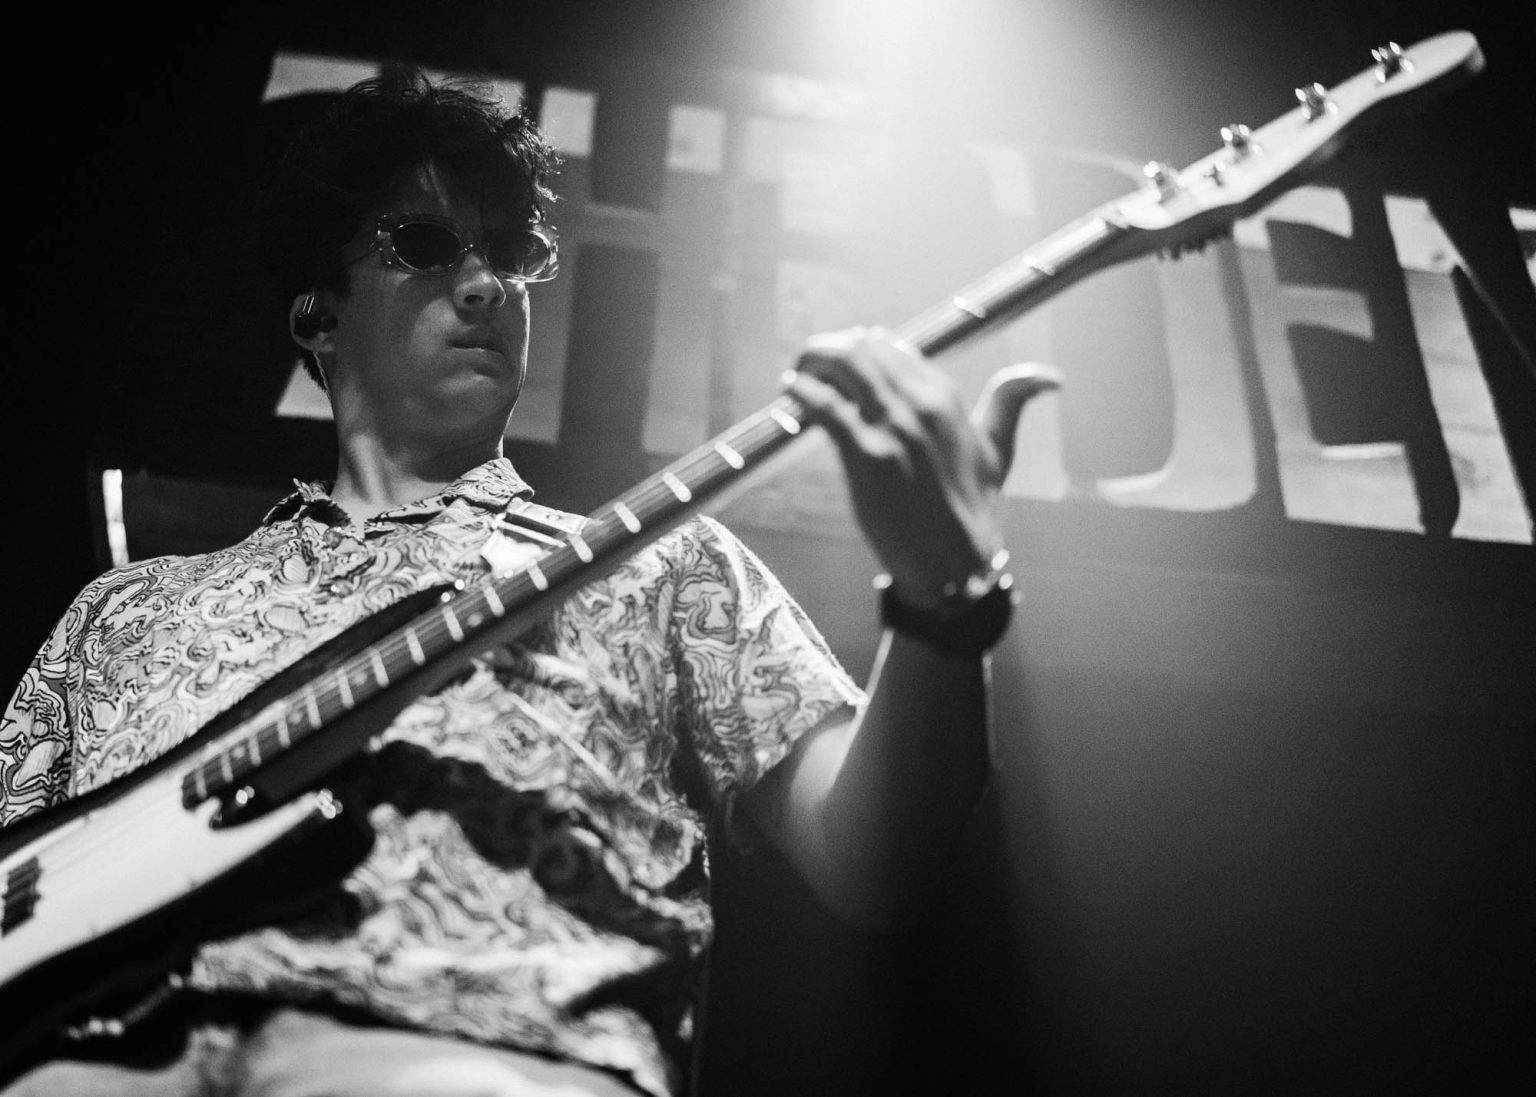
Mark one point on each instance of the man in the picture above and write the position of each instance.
(533, 914)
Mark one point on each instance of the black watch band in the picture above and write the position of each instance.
(970, 628)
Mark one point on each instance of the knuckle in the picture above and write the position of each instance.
(887, 453)
(930, 408)
(938, 410)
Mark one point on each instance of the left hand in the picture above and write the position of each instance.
(924, 474)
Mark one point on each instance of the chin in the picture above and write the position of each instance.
(477, 391)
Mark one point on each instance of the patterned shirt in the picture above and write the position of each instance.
(539, 877)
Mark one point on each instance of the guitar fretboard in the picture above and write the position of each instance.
(1183, 207)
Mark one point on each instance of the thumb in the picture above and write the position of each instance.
(1002, 401)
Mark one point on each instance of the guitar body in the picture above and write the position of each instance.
(108, 893)
(128, 887)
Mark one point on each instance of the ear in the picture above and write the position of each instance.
(311, 322)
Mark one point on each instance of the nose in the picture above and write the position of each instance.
(477, 286)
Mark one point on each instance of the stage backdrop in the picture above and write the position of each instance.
(1264, 733)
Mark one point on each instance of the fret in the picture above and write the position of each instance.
(970, 309)
(790, 424)
(677, 487)
(312, 708)
(627, 516)
(283, 736)
(580, 547)
(345, 687)
(200, 782)
(1012, 287)
(394, 656)
(417, 655)
(380, 675)
(730, 456)
(255, 744)
(537, 575)
(492, 599)
(226, 769)
(454, 628)
(658, 499)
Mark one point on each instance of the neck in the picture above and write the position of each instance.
(372, 476)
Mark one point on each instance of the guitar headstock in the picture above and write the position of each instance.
(1183, 210)
(1180, 210)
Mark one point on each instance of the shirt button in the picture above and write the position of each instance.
(336, 588)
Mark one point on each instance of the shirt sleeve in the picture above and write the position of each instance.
(37, 730)
(755, 673)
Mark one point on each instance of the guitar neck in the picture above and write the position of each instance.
(1181, 209)
(1024, 282)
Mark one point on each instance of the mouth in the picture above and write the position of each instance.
(479, 342)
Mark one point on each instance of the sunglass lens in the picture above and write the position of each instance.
(423, 245)
(519, 253)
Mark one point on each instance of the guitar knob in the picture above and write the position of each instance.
(1315, 99)
(1238, 138)
(1390, 60)
(1162, 177)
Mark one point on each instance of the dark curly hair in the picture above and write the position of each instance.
(344, 163)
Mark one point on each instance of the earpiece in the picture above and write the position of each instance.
(309, 321)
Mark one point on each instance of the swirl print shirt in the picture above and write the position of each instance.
(539, 876)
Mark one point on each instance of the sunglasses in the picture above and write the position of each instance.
(424, 244)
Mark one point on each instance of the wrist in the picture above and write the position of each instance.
(969, 616)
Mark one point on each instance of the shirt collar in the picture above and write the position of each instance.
(490, 486)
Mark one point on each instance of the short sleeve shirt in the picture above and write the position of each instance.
(539, 874)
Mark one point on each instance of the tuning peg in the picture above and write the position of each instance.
(1196, 243)
(1390, 60)
(1314, 97)
(1238, 138)
(1162, 177)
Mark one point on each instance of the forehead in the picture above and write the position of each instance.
(431, 189)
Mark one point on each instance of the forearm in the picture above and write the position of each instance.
(871, 809)
(910, 774)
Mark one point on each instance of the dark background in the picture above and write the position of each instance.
(1263, 813)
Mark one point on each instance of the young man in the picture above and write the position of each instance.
(533, 913)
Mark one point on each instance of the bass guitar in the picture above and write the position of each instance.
(108, 894)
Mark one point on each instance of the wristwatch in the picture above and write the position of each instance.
(970, 621)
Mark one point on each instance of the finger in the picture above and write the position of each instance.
(837, 360)
(887, 379)
(996, 414)
(842, 417)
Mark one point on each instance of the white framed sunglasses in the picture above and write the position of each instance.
(424, 243)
